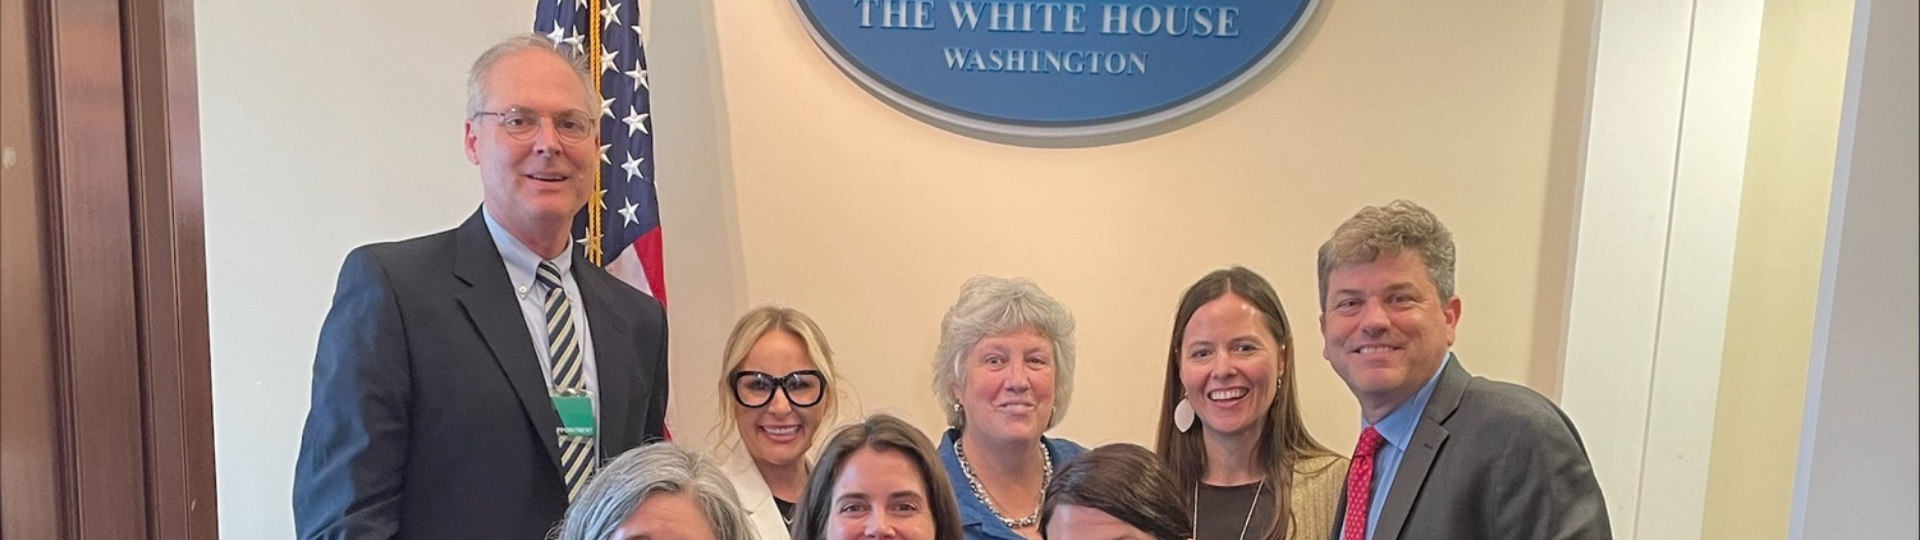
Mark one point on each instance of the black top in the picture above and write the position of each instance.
(786, 509)
(1222, 512)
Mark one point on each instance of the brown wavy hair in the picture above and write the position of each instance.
(1284, 440)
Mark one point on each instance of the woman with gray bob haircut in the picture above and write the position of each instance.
(659, 491)
(1004, 375)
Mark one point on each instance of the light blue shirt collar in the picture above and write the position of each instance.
(520, 260)
(1397, 427)
(1397, 430)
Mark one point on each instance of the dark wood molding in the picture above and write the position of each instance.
(108, 399)
(95, 311)
(33, 484)
(170, 257)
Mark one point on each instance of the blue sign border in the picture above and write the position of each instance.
(955, 119)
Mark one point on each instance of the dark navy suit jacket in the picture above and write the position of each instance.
(430, 415)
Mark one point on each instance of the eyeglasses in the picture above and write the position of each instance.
(573, 126)
(754, 389)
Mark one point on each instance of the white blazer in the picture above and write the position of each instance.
(755, 497)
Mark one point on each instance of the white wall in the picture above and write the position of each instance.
(869, 220)
(316, 142)
(1783, 223)
(1859, 467)
(1659, 209)
(324, 125)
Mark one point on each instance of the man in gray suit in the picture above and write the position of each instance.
(1442, 454)
(468, 382)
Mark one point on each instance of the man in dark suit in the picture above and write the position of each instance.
(468, 382)
(1442, 454)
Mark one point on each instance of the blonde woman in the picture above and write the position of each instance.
(778, 387)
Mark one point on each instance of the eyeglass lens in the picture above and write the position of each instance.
(754, 389)
(571, 125)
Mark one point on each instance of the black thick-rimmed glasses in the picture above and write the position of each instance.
(753, 389)
(572, 126)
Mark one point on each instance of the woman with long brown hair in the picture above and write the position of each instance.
(1230, 428)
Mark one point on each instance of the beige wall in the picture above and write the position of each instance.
(869, 220)
(1783, 216)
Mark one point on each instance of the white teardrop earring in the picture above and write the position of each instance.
(1183, 416)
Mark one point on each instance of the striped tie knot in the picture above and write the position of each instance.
(547, 275)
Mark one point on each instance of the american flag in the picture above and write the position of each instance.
(621, 230)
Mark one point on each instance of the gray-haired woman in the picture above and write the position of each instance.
(659, 491)
(1004, 373)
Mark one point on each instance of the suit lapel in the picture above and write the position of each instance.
(1422, 448)
(491, 306)
(612, 360)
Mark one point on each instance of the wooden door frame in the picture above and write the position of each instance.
(127, 401)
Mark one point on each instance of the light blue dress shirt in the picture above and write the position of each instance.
(1396, 430)
(521, 264)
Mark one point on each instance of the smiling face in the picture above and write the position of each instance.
(779, 433)
(1386, 329)
(1230, 364)
(665, 516)
(1007, 390)
(880, 494)
(535, 186)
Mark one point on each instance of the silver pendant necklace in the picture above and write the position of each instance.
(1046, 475)
(1250, 508)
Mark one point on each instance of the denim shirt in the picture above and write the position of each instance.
(976, 520)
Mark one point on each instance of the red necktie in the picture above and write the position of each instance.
(1360, 485)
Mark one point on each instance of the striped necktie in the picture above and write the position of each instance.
(563, 348)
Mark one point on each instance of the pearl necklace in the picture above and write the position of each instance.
(1046, 475)
(1250, 508)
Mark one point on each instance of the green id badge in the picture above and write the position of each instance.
(576, 414)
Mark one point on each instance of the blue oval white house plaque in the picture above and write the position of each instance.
(1053, 70)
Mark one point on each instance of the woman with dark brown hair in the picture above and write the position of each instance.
(1230, 427)
(879, 478)
(1117, 491)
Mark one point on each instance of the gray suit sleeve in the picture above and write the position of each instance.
(1551, 493)
(350, 471)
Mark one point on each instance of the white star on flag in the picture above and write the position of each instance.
(607, 60)
(632, 166)
(627, 211)
(610, 14)
(636, 121)
(639, 77)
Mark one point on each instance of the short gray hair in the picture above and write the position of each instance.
(517, 43)
(1376, 230)
(620, 486)
(990, 306)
